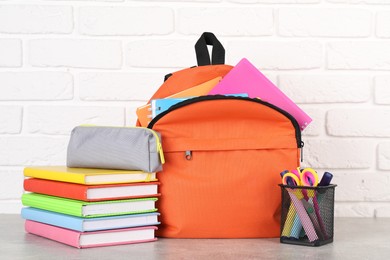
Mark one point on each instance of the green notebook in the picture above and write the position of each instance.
(89, 209)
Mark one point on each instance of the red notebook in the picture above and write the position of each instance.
(77, 239)
(92, 192)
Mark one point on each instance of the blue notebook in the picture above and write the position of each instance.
(161, 105)
(89, 224)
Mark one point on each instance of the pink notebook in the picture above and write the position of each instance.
(92, 239)
(246, 78)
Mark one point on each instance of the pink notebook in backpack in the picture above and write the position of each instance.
(246, 78)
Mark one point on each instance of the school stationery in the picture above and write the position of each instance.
(246, 78)
(306, 177)
(144, 113)
(89, 224)
(89, 209)
(161, 105)
(296, 224)
(303, 216)
(87, 176)
(91, 239)
(306, 236)
(126, 148)
(286, 231)
(293, 229)
(326, 179)
(91, 192)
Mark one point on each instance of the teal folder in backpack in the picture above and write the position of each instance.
(161, 105)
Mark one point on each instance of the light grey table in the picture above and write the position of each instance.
(355, 238)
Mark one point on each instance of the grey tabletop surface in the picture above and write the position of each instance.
(354, 238)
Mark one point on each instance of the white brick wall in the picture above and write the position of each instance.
(382, 90)
(275, 1)
(359, 122)
(339, 153)
(281, 54)
(117, 85)
(10, 119)
(326, 88)
(126, 21)
(227, 21)
(370, 55)
(61, 119)
(160, 53)
(65, 63)
(335, 22)
(77, 53)
(11, 178)
(384, 2)
(35, 19)
(383, 24)
(362, 186)
(10, 53)
(37, 85)
(32, 150)
(384, 155)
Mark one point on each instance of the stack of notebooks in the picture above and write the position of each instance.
(90, 207)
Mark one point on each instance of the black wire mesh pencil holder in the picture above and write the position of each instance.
(307, 216)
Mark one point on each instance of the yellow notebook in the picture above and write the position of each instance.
(144, 112)
(88, 176)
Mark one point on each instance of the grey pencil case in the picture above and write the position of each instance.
(123, 148)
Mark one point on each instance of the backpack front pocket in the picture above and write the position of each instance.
(223, 159)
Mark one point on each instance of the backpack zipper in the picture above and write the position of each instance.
(158, 143)
(298, 137)
(188, 155)
(302, 144)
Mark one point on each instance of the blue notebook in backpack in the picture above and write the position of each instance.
(161, 105)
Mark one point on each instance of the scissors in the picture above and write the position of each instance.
(306, 177)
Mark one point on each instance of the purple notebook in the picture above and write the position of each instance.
(246, 78)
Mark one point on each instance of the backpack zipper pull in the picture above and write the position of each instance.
(188, 155)
(302, 144)
(161, 153)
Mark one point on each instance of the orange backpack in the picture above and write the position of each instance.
(223, 158)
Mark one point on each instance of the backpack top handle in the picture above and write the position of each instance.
(202, 53)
